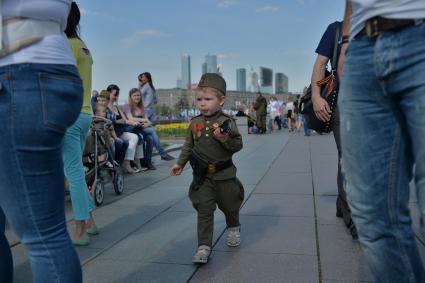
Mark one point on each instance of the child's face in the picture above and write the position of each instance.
(101, 113)
(102, 101)
(209, 101)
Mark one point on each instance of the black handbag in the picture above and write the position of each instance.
(329, 91)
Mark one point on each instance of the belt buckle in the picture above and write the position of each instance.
(372, 29)
(211, 168)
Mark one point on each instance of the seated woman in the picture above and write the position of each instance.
(122, 127)
(120, 146)
(134, 111)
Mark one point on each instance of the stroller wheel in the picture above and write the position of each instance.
(118, 182)
(98, 192)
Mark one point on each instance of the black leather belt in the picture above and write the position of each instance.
(378, 25)
(215, 167)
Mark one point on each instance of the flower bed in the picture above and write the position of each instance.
(172, 130)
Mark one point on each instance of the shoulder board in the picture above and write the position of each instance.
(194, 117)
(228, 116)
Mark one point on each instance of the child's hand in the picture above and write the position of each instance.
(176, 170)
(223, 137)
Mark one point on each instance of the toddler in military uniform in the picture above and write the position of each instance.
(212, 139)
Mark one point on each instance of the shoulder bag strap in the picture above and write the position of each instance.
(334, 61)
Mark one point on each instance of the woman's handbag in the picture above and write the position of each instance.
(328, 91)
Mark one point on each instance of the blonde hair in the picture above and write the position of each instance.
(134, 106)
(105, 94)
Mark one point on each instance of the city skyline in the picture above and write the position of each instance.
(211, 65)
(125, 42)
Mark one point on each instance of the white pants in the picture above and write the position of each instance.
(134, 150)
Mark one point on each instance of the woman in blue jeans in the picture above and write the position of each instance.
(40, 97)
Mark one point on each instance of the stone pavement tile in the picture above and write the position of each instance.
(275, 182)
(341, 257)
(170, 237)
(257, 267)
(291, 164)
(22, 270)
(416, 216)
(111, 271)
(323, 144)
(325, 178)
(271, 234)
(326, 210)
(251, 178)
(279, 205)
(86, 253)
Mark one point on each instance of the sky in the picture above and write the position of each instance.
(128, 37)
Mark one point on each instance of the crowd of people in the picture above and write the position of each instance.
(46, 112)
(266, 115)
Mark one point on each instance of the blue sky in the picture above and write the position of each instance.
(128, 37)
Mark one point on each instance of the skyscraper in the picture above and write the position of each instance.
(241, 79)
(204, 68)
(186, 82)
(211, 61)
(266, 80)
(281, 83)
(253, 81)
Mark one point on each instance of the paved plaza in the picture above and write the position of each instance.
(289, 229)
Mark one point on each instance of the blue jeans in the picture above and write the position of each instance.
(38, 102)
(156, 142)
(72, 152)
(6, 262)
(307, 131)
(149, 142)
(382, 104)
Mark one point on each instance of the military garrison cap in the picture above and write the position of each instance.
(214, 81)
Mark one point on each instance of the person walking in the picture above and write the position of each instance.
(209, 150)
(382, 103)
(75, 138)
(261, 113)
(40, 97)
(325, 51)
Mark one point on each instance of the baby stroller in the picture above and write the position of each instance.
(100, 166)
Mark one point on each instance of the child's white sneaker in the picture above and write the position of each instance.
(234, 236)
(202, 254)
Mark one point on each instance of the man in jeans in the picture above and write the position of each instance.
(325, 51)
(382, 103)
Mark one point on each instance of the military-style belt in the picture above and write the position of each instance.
(216, 167)
(378, 25)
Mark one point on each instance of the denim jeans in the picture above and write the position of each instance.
(38, 102)
(120, 149)
(149, 142)
(307, 131)
(6, 262)
(72, 152)
(382, 104)
(156, 142)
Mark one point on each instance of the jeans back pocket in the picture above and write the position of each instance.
(61, 98)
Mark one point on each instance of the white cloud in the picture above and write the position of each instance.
(227, 3)
(268, 9)
(143, 34)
